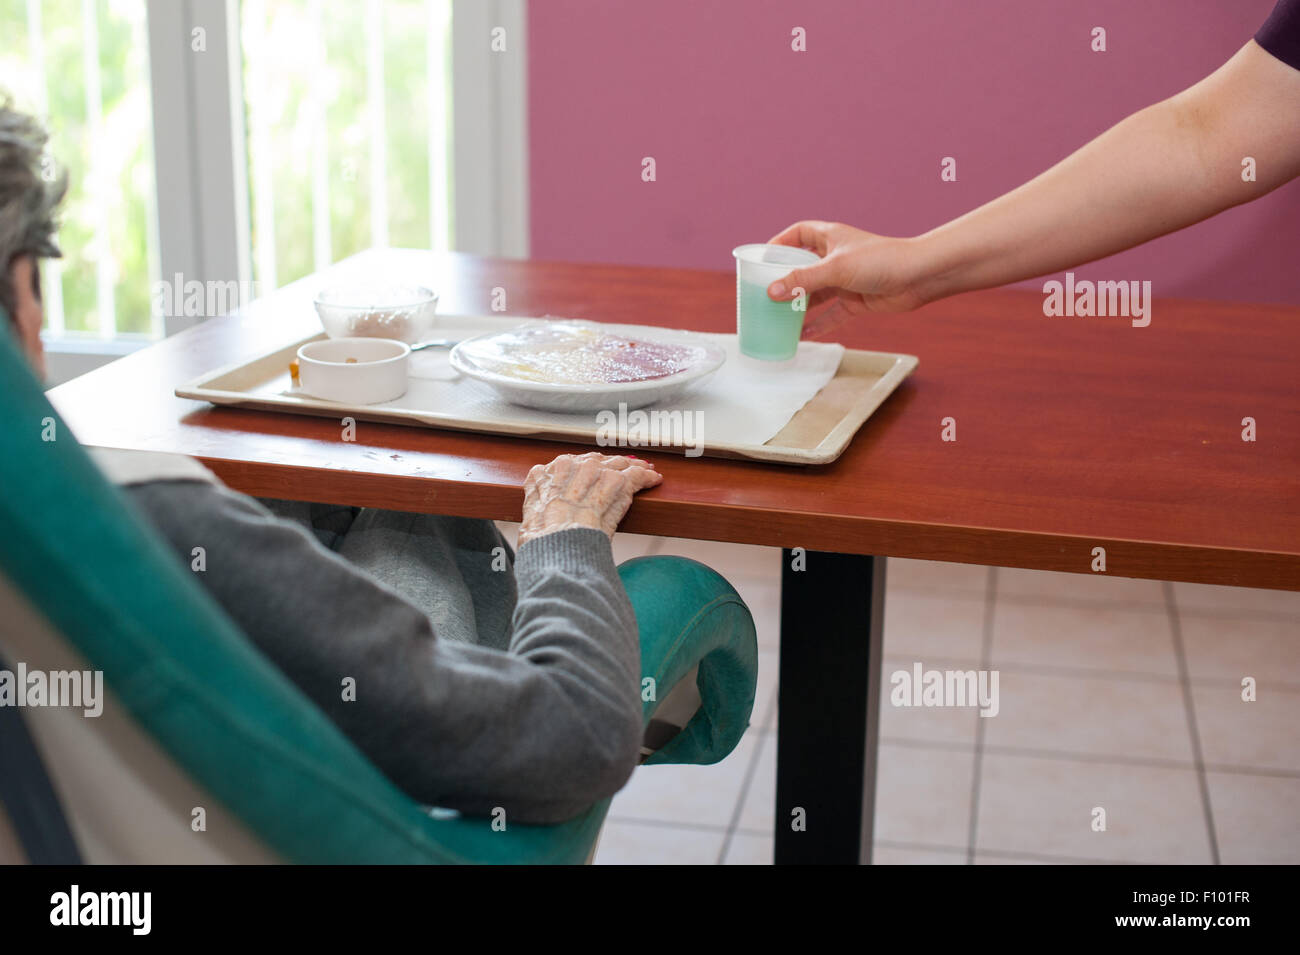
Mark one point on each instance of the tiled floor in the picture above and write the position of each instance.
(1119, 694)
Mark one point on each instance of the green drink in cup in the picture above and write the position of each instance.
(768, 330)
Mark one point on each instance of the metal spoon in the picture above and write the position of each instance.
(435, 343)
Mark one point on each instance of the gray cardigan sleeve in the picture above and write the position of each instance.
(541, 731)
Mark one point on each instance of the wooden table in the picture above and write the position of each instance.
(1071, 434)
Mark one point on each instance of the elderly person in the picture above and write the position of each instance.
(475, 678)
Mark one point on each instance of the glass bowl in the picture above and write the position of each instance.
(402, 312)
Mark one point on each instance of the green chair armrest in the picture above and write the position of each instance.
(688, 614)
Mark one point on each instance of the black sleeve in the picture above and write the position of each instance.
(1280, 34)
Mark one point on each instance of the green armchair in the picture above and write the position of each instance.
(84, 583)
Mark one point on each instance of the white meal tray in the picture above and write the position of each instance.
(817, 434)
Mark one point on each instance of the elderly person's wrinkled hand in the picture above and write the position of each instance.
(585, 490)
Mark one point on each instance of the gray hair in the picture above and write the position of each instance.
(31, 189)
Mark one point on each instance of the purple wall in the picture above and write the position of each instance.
(749, 136)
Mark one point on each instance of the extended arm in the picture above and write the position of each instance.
(1161, 169)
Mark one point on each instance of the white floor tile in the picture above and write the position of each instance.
(890, 855)
(1046, 807)
(1268, 650)
(1210, 598)
(764, 716)
(942, 724)
(993, 858)
(1104, 589)
(1260, 735)
(923, 625)
(937, 577)
(697, 795)
(1098, 716)
(1086, 638)
(923, 795)
(759, 809)
(750, 849)
(629, 843)
(1255, 818)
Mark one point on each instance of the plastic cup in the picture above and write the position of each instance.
(768, 330)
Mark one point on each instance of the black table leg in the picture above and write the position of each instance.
(832, 613)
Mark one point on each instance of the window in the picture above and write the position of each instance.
(347, 111)
(237, 140)
(82, 65)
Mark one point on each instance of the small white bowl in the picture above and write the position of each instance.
(354, 371)
(405, 312)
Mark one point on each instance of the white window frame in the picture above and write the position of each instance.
(200, 169)
(490, 127)
(198, 140)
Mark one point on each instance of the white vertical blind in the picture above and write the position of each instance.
(52, 286)
(259, 134)
(436, 69)
(97, 187)
(322, 249)
(378, 135)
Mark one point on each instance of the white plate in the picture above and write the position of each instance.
(564, 397)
